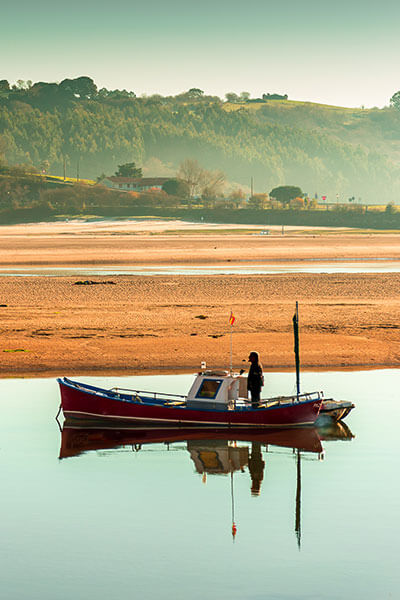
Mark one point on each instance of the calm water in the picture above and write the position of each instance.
(376, 265)
(156, 521)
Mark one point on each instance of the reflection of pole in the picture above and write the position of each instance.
(297, 526)
(296, 346)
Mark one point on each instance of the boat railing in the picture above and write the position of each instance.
(294, 398)
(154, 395)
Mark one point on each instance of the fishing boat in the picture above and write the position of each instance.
(215, 399)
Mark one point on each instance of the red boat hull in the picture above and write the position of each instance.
(78, 403)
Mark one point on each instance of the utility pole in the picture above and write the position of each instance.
(77, 170)
(65, 168)
(252, 187)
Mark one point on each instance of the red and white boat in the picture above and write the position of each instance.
(215, 399)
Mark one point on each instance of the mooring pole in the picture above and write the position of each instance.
(231, 322)
(296, 346)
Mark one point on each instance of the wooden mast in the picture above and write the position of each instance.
(296, 346)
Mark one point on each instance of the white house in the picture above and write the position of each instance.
(133, 184)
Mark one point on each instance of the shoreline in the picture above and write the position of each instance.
(56, 373)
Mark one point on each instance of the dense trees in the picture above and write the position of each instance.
(26, 195)
(129, 170)
(334, 151)
(81, 87)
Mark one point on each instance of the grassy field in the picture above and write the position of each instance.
(60, 179)
(288, 105)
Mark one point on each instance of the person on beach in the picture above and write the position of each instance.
(255, 379)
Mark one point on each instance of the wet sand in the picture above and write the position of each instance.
(50, 325)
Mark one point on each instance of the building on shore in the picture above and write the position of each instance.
(133, 184)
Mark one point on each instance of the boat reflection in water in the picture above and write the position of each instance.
(76, 439)
(213, 451)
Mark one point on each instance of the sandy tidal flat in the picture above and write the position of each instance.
(52, 325)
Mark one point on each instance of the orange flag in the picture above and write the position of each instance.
(231, 319)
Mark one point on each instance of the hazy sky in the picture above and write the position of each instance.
(343, 52)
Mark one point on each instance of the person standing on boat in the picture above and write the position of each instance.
(255, 379)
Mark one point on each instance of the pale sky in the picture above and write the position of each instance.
(342, 52)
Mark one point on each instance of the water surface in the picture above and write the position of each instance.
(317, 266)
(155, 520)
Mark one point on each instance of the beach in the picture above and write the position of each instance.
(134, 323)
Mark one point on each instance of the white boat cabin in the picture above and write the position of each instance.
(217, 390)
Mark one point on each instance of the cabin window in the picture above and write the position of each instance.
(209, 388)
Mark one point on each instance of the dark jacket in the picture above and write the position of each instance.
(255, 379)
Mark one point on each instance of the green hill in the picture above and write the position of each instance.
(323, 149)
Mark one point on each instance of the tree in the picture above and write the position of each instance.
(81, 87)
(195, 93)
(297, 203)
(47, 94)
(237, 196)
(286, 193)
(3, 148)
(244, 96)
(395, 100)
(22, 85)
(4, 86)
(256, 202)
(192, 174)
(232, 97)
(207, 184)
(213, 184)
(390, 209)
(176, 187)
(129, 170)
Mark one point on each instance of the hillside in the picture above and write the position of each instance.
(323, 149)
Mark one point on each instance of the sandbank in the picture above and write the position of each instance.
(51, 325)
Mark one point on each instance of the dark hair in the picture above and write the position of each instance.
(254, 354)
